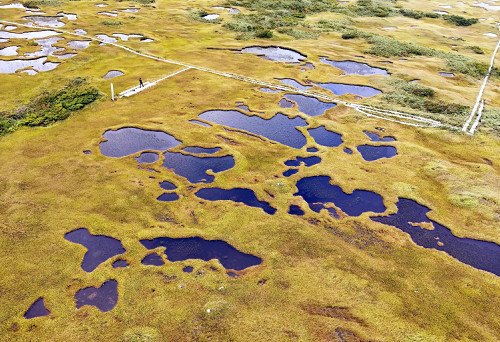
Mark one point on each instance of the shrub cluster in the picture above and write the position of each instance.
(461, 21)
(49, 108)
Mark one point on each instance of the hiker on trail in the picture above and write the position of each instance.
(141, 85)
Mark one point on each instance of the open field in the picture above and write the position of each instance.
(322, 278)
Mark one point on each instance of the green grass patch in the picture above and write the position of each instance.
(461, 21)
(49, 108)
(44, 3)
(111, 23)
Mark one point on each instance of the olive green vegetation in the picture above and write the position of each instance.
(284, 15)
(49, 108)
(321, 277)
(111, 23)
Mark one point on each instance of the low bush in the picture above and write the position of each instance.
(49, 108)
(111, 23)
(264, 34)
(461, 21)
(476, 49)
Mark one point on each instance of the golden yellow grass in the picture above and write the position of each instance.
(401, 292)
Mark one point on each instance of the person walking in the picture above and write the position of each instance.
(141, 85)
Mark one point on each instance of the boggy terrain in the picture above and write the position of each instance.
(211, 207)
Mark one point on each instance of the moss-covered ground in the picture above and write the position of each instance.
(321, 279)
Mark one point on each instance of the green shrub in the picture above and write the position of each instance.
(388, 47)
(411, 13)
(476, 49)
(111, 23)
(7, 125)
(350, 35)
(460, 21)
(38, 3)
(264, 34)
(51, 107)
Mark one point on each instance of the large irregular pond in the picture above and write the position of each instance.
(355, 68)
(194, 168)
(482, 255)
(34, 65)
(104, 298)
(371, 153)
(245, 196)
(50, 21)
(317, 192)
(279, 128)
(28, 35)
(341, 89)
(130, 140)
(275, 53)
(310, 105)
(324, 137)
(99, 247)
(181, 249)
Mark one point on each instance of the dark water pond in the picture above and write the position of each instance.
(317, 191)
(341, 89)
(239, 195)
(99, 247)
(355, 68)
(295, 210)
(275, 53)
(312, 149)
(376, 137)
(104, 298)
(168, 197)
(371, 153)
(284, 103)
(309, 105)
(194, 168)
(324, 137)
(479, 254)
(120, 263)
(112, 74)
(308, 161)
(37, 309)
(347, 150)
(200, 150)
(147, 158)
(197, 248)
(129, 140)
(290, 172)
(152, 259)
(166, 185)
(187, 269)
(293, 83)
(279, 128)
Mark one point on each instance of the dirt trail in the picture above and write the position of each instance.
(384, 114)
